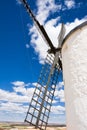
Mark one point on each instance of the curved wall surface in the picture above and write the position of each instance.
(74, 60)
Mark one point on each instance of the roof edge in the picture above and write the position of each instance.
(73, 30)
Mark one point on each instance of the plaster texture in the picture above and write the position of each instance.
(74, 58)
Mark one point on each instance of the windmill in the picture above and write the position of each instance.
(41, 102)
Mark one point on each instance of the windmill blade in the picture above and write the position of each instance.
(41, 102)
(40, 105)
(39, 27)
(61, 35)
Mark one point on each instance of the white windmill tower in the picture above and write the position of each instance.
(71, 55)
(74, 61)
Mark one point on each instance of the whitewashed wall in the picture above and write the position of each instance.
(74, 56)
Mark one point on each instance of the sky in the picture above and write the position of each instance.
(22, 52)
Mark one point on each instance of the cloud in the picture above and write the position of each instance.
(13, 107)
(60, 84)
(20, 87)
(72, 25)
(19, 83)
(46, 7)
(39, 44)
(17, 101)
(58, 109)
(13, 97)
(70, 3)
(27, 45)
(20, 93)
(19, 2)
(51, 25)
(59, 94)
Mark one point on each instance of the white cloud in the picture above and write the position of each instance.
(20, 87)
(57, 118)
(16, 102)
(60, 84)
(20, 93)
(19, 83)
(70, 3)
(13, 107)
(45, 7)
(52, 31)
(18, 1)
(13, 97)
(39, 44)
(24, 91)
(27, 45)
(51, 26)
(59, 94)
(72, 25)
(57, 109)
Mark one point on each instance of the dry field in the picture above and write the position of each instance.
(13, 126)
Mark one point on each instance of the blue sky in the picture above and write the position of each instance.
(22, 52)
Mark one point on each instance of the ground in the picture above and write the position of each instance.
(18, 126)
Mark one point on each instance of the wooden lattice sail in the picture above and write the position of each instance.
(40, 106)
(74, 62)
